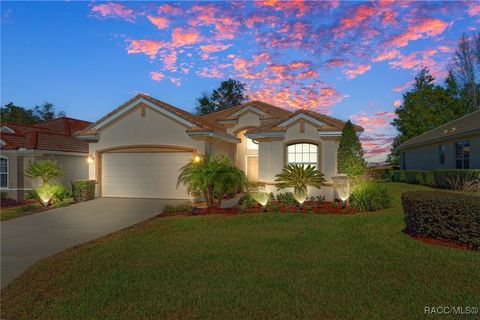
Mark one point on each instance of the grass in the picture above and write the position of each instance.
(18, 211)
(250, 266)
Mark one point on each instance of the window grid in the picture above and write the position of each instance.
(3, 172)
(462, 155)
(302, 153)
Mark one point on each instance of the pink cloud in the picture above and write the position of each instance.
(373, 122)
(376, 147)
(113, 10)
(147, 47)
(183, 37)
(169, 9)
(423, 28)
(175, 81)
(355, 19)
(336, 62)
(225, 25)
(156, 76)
(474, 9)
(169, 59)
(404, 86)
(209, 72)
(397, 103)
(297, 7)
(356, 71)
(209, 48)
(388, 55)
(159, 22)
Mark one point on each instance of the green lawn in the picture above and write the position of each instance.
(18, 211)
(251, 266)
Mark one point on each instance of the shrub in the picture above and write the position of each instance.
(443, 215)
(287, 199)
(261, 197)
(246, 201)
(25, 208)
(57, 194)
(414, 176)
(83, 190)
(45, 170)
(6, 200)
(299, 178)
(181, 208)
(370, 197)
(399, 176)
(444, 177)
(428, 179)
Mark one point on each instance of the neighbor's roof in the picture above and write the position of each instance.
(212, 122)
(52, 135)
(468, 124)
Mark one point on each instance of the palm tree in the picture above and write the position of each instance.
(45, 170)
(299, 177)
(212, 177)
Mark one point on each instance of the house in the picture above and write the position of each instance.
(138, 149)
(21, 144)
(454, 145)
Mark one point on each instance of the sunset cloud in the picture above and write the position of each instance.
(156, 76)
(209, 48)
(159, 22)
(147, 47)
(373, 122)
(397, 103)
(183, 37)
(356, 71)
(423, 28)
(113, 10)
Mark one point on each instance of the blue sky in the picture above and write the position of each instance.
(346, 59)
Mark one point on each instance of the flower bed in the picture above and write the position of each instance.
(309, 207)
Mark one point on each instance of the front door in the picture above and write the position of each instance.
(252, 168)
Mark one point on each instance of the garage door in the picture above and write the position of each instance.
(143, 175)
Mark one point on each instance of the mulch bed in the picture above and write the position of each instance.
(441, 242)
(308, 208)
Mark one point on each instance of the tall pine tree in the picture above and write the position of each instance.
(350, 159)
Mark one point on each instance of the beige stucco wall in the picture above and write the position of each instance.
(272, 157)
(152, 129)
(75, 167)
(428, 157)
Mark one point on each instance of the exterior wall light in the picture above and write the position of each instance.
(90, 158)
(341, 184)
(196, 159)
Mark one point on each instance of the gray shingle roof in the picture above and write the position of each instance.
(467, 124)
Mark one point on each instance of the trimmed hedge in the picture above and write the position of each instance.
(438, 178)
(83, 190)
(442, 176)
(443, 215)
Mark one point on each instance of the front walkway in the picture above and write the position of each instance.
(28, 239)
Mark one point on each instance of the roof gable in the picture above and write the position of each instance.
(248, 108)
(300, 116)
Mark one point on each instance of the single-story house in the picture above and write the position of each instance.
(138, 149)
(454, 145)
(21, 144)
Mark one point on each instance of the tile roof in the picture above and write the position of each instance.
(331, 124)
(469, 123)
(52, 135)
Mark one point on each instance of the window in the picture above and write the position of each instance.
(462, 155)
(251, 145)
(441, 152)
(302, 153)
(3, 172)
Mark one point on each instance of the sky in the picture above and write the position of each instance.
(350, 60)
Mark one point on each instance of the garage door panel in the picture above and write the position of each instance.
(143, 175)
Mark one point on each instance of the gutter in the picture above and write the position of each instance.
(217, 135)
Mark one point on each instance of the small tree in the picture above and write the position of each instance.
(45, 170)
(299, 177)
(350, 153)
(212, 177)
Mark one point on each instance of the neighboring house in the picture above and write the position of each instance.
(139, 148)
(21, 144)
(454, 145)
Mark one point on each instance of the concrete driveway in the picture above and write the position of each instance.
(26, 240)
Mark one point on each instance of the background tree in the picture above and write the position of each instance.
(230, 93)
(46, 111)
(427, 106)
(350, 159)
(12, 113)
(467, 67)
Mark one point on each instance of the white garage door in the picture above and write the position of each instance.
(143, 175)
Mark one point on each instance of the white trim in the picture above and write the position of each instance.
(330, 133)
(249, 108)
(8, 171)
(148, 103)
(16, 189)
(26, 152)
(6, 129)
(265, 135)
(87, 137)
(2, 143)
(213, 135)
(301, 116)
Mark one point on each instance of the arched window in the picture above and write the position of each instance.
(3, 172)
(303, 153)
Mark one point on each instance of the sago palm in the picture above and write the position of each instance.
(45, 170)
(299, 177)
